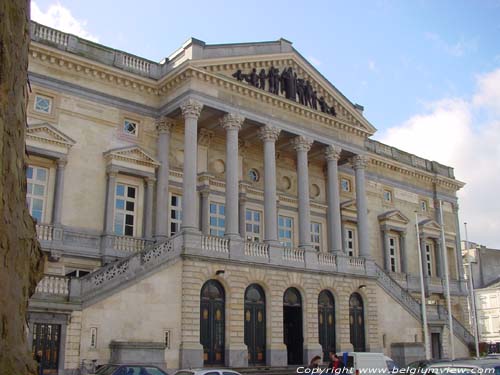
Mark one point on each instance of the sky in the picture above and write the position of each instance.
(427, 72)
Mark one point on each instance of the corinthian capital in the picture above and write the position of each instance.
(359, 161)
(191, 108)
(164, 124)
(302, 143)
(232, 121)
(332, 152)
(269, 133)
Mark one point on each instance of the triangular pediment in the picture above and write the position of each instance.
(348, 205)
(393, 216)
(429, 224)
(236, 62)
(48, 134)
(134, 155)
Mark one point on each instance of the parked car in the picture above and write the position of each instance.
(469, 366)
(366, 360)
(210, 371)
(129, 370)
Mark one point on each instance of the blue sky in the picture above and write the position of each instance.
(411, 64)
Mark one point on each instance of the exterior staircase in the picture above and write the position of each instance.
(412, 305)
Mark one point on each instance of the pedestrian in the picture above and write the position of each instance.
(39, 360)
(315, 362)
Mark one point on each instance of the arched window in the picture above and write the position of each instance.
(292, 326)
(357, 322)
(255, 324)
(326, 323)
(212, 322)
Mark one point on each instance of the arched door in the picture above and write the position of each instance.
(255, 324)
(326, 323)
(292, 326)
(212, 322)
(357, 322)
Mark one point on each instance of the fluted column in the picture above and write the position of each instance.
(191, 110)
(332, 155)
(359, 164)
(58, 191)
(232, 122)
(110, 202)
(148, 222)
(269, 135)
(163, 127)
(302, 145)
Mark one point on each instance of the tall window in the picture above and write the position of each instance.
(125, 209)
(428, 259)
(285, 230)
(316, 235)
(37, 178)
(350, 241)
(252, 225)
(175, 213)
(217, 219)
(393, 254)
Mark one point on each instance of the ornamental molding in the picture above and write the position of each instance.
(191, 108)
(359, 161)
(269, 133)
(164, 124)
(393, 216)
(302, 143)
(332, 152)
(232, 121)
(45, 133)
(133, 155)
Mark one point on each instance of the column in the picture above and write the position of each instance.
(232, 122)
(58, 193)
(439, 248)
(269, 135)
(359, 164)
(148, 220)
(205, 211)
(163, 127)
(191, 110)
(402, 252)
(302, 145)
(110, 202)
(387, 258)
(242, 213)
(332, 154)
(458, 244)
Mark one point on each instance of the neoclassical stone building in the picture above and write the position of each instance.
(226, 206)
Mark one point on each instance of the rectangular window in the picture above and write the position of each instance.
(43, 104)
(393, 254)
(217, 219)
(175, 213)
(252, 225)
(36, 197)
(316, 235)
(428, 259)
(350, 241)
(345, 185)
(387, 196)
(130, 127)
(125, 209)
(423, 205)
(285, 230)
(168, 335)
(93, 337)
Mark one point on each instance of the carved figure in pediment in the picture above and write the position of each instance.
(323, 105)
(307, 93)
(271, 77)
(262, 79)
(333, 112)
(239, 75)
(314, 100)
(277, 81)
(252, 78)
(301, 87)
(289, 84)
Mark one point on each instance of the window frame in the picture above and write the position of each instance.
(43, 96)
(253, 223)
(429, 262)
(217, 230)
(350, 250)
(349, 185)
(393, 253)
(285, 229)
(31, 182)
(124, 211)
(390, 195)
(130, 121)
(316, 235)
(177, 221)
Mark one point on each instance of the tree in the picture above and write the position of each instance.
(21, 259)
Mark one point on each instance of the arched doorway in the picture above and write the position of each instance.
(292, 326)
(326, 323)
(357, 322)
(255, 324)
(212, 322)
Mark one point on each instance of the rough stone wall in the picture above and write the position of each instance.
(20, 255)
(73, 335)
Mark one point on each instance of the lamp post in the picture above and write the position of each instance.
(447, 281)
(422, 294)
(471, 295)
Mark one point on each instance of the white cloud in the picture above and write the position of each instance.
(315, 61)
(59, 17)
(372, 66)
(453, 131)
(458, 49)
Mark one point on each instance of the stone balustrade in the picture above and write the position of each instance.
(327, 259)
(212, 243)
(256, 249)
(136, 63)
(53, 285)
(45, 232)
(129, 244)
(292, 254)
(51, 35)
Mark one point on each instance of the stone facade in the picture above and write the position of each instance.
(250, 171)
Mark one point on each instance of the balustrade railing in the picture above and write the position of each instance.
(212, 243)
(56, 285)
(293, 254)
(256, 249)
(327, 258)
(51, 35)
(136, 63)
(129, 244)
(45, 232)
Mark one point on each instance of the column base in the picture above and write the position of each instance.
(276, 355)
(236, 355)
(190, 355)
(311, 350)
